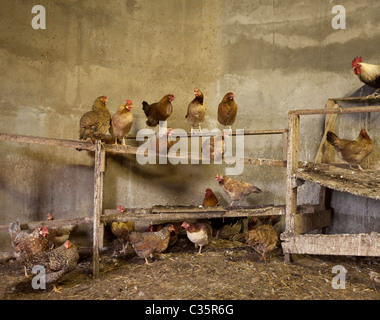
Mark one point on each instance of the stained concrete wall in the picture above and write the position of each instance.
(274, 55)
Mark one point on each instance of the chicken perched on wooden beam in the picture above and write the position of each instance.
(158, 111)
(227, 110)
(94, 124)
(196, 110)
(121, 122)
(236, 189)
(352, 151)
(368, 74)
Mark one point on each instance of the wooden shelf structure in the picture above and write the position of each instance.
(100, 216)
(329, 177)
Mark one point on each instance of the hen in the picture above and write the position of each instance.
(173, 234)
(147, 243)
(210, 199)
(352, 151)
(262, 239)
(58, 235)
(158, 111)
(196, 110)
(235, 189)
(121, 122)
(94, 124)
(213, 148)
(27, 244)
(160, 140)
(227, 110)
(199, 233)
(121, 231)
(57, 262)
(367, 73)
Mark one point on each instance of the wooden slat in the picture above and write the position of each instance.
(98, 206)
(333, 111)
(292, 166)
(362, 244)
(311, 221)
(357, 99)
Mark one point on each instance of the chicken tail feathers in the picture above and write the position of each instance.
(239, 237)
(332, 138)
(146, 107)
(14, 227)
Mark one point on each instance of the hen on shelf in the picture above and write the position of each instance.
(158, 111)
(352, 151)
(147, 243)
(236, 189)
(94, 124)
(227, 110)
(121, 122)
(199, 233)
(196, 110)
(57, 262)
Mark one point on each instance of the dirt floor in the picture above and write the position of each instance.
(225, 270)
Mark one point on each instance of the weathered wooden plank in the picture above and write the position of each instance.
(182, 213)
(333, 111)
(357, 99)
(98, 205)
(362, 244)
(360, 183)
(311, 221)
(292, 166)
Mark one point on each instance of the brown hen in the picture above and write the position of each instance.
(94, 124)
(352, 151)
(227, 110)
(158, 111)
(236, 189)
(196, 110)
(147, 243)
(121, 122)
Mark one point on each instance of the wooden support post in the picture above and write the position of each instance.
(292, 167)
(98, 205)
(284, 145)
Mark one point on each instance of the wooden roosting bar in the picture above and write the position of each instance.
(329, 177)
(100, 216)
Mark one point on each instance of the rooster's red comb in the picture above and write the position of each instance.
(356, 61)
(128, 101)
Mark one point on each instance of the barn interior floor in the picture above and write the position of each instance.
(225, 270)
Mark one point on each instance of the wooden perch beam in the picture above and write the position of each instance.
(335, 110)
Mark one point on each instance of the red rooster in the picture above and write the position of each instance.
(367, 73)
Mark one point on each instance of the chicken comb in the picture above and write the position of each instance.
(120, 209)
(356, 61)
(128, 101)
(208, 190)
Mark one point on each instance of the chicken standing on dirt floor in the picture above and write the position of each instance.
(57, 262)
(58, 235)
(121, 230)
(94, 124)
(196, 110)
(173, 234)
(227, 110)
(199, 233)
(367, 73)
(158, 111)
(236, 189)
(262, 239)
(147, 243)
(121, 122)
(352, 151)
(27, 244)
(213, 148)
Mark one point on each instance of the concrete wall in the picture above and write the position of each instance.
(274, 55)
